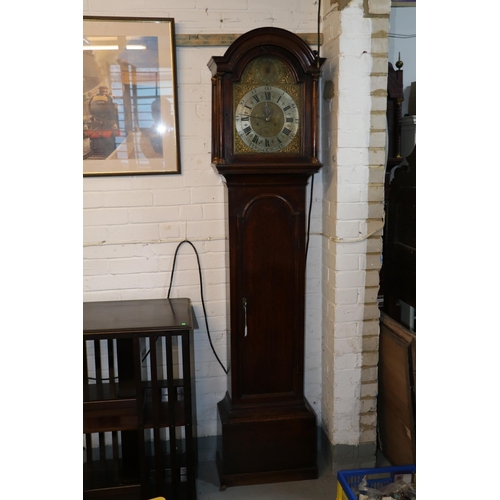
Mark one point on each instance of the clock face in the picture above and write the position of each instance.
(267, 108)
(267, 119)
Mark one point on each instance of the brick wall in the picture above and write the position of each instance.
(354, 156)
(132, 225)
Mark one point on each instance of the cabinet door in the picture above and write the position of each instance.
(270, 319)
(396, 397)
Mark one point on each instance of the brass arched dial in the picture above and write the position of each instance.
(267, 119)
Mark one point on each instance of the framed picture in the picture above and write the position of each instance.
(130, 112)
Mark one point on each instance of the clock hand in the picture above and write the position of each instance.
(253, 116)
(266, 118)
(257, 117)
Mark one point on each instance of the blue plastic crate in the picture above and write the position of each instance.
(376, 478)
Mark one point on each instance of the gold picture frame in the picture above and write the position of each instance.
(130, 110)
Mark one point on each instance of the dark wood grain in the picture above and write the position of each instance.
(400, 245)
(228, 68)
(396, 397)
(268, 429)
(136, 315)
(137, 397)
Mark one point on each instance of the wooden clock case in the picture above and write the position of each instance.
(267, 427)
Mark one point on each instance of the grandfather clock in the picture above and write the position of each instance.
(264, 143)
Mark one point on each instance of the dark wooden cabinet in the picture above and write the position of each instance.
(268, 429)
(267, 230)
(395, 99)
(397, 392)
(264, 124)
(396, 404)
(138, 400)
(398, 276)
(400, 245)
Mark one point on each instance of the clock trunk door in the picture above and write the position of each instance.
(270, 322)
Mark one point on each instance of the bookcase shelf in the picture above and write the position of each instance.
(139, 400)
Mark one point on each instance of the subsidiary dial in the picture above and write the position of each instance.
(267, 119)
(267, 70)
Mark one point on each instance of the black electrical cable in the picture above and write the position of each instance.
(319, 22)
(309, 215)
(404, 37)
(201, 293)
(312, 176)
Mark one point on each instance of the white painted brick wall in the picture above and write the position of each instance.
(132, 225)
(350, 274)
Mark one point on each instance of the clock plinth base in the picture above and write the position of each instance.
(269, 444)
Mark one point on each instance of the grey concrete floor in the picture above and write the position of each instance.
(207, 484)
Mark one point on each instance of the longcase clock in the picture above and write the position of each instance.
(264, 144)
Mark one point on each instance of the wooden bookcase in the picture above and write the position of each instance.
(139, 400)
